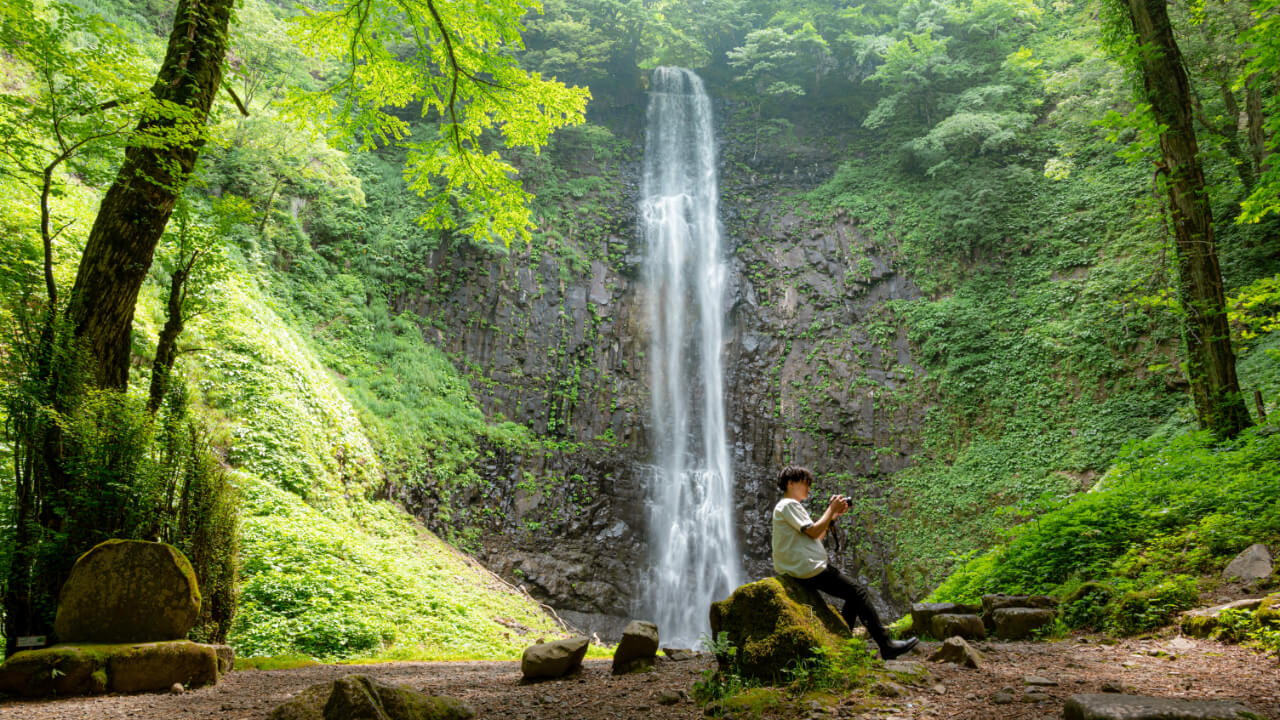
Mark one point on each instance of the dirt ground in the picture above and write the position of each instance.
(1171, 667)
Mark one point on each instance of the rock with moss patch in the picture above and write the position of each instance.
(969, 627)
(124, 591)
(357, 697)
(57, 670)
(638, 649)
(991, 603)
(1015, 623)
(956, 650)
(775, 623)
(94, 669)
(1203, 623)
(546, 661)
(144, 667)
(922, 614)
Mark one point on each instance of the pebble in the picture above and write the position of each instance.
(1035, 696)
(1002, 698)
(176, 689)
(667, 697)
(1111, 687)
(1039, 681)
(939, 689)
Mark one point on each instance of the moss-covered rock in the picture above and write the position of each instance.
(124, 591)
(94, 669)
(358, 696)
(58, 670)
(1268, 612)
(144, 667)
(775, 623)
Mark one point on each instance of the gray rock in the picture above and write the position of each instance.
(885, 688)
(1253, 563)
(1137, 707)
(1002, 698)
(668, 697)
(922, 614)
(553, 659)
(680, 654)
(1033, 695)
(991, 603)
(1014, 623)
(1038, 681)
(357, 697)
(1203, 622)
(967, 626)
(956, 650)
(638, 649)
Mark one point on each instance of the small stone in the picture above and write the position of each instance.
(1182, 643)
(956, 650)
(667, 697)
(1110, 687)
(1032, 695)
(176, 689)
(1039, 681)
(1002, 698)
(888, 689)
(939, 689)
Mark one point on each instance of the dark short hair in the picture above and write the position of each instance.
(794, 473)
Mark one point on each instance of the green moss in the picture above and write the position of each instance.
(1199, 626)
(775, 623)
(757, 702)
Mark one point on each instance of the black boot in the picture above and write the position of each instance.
(890, 649)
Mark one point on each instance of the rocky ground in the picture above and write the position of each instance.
(1021, 680)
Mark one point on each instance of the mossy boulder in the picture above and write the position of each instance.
(145, 667)
(356, 697)
(123, 591)
(57, 670)
(775, 623)
(546, 661)
(638, 649)
(95, 669)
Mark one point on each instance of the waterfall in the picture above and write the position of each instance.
(693, 550)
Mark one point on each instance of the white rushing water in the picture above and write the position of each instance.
(693, 549)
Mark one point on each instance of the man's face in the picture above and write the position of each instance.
(801, 487)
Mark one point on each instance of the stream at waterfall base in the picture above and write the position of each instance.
(1197, 669)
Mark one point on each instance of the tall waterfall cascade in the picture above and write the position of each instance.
(693, 548)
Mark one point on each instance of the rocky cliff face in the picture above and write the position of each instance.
(553, 336)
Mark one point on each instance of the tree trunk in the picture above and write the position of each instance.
(138, 204)
(1253, 109)
(167, 345)
(1211, 364)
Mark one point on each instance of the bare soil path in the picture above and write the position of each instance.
(1169, 667)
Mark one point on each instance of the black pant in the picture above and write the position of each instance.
(857, 604)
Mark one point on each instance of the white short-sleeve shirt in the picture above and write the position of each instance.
(795, 553)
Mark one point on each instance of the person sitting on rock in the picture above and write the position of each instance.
(798, 552)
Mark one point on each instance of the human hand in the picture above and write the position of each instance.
(839, 505)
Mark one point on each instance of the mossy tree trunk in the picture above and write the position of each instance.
(1211, 363)
(137, 207)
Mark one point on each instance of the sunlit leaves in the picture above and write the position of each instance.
(455, 64)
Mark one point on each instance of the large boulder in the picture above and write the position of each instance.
(545, 661)
(94, 669)
(969, 627)
(357, 697)
(58, 670)
(1253, 563)
(638, 649)
(922, 614)
(1015, 623)
(1111, 706)
(774, 623)
(158, 666)
(123, 591)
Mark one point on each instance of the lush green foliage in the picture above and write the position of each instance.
(1169, 510)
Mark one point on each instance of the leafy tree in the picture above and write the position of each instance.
(1154, 53)
(458, 61)
(1263, 43)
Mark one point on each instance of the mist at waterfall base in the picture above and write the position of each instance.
(693, 550)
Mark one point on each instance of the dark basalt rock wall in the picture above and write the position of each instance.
(555, 339)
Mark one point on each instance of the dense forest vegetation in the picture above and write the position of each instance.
(285, 393)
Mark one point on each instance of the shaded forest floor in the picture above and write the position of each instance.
(1171, 667)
